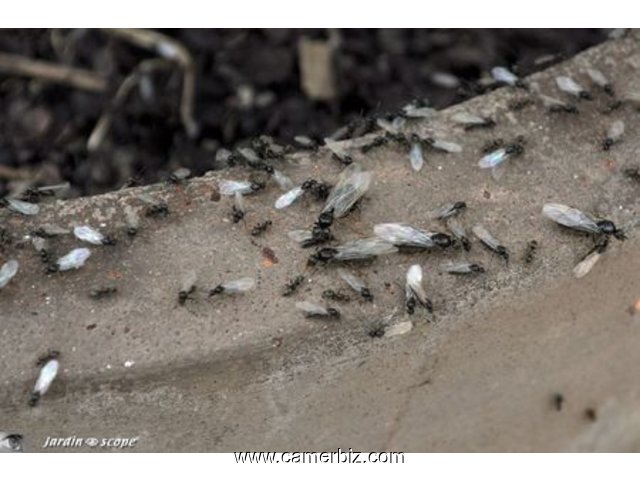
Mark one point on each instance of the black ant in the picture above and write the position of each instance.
(293, 285)
(260, 228)
(157, 210)
(529, 255)
(336, 296)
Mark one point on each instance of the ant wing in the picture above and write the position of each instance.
(497, 172)
(353, 281)
(364, 248)
(74, 259)
(239, 286)
(20, 206)
(570, 217)
(311, 309)
(288, 198)
(416, 157)
(403, 234)
(585, 266)
(347, 193)
(7, 272)
(47, 375)
(414, 285)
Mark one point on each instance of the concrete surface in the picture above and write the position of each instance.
(251, 373)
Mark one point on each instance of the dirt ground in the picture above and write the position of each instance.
(251, 373)
(248, 83)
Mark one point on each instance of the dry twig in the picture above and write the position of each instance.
(169, 49)
(104, 122)
(75, 77)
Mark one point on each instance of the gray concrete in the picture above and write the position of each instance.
(252, 373)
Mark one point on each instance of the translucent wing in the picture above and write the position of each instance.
(288, 198)
(88, 234)
(464, 118)
(341, 184)
(493, 159)
(569, 85)
(337, 148)
(412, 111)
(20, 206)
(74, 259)
(445, 80)
(311, 308)
(460, 267)
(300, 236)
(392, 126)
(353, 281)
(416, 157)
(445, 146)
(414, 284)
(400, 328)
(503, 75)
(230, 187)
(570, 217)
(585, 266)
(47, 374)
(7, 272)
(347, 193)
(448, 210)
(282, 180)
(39, 244)
(181, 173)
(597, 77)
(238, 201)
(483, 234)
(498, 171)
(250, 154)
(239, 286)
(616, 130)
(456, 228)
(304, 141)
(553, 103)
(403, 235)
(188, 281)
(364, 248)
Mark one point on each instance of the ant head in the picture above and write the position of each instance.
(459, 205)
(377, 330)
(619, 234)
(515, 149)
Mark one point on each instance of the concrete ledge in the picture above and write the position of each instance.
(251, 373)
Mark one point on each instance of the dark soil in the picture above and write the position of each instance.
(44, 127)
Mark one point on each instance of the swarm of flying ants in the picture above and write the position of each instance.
(339, 198)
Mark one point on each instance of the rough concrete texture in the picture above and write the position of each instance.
(251, 373)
